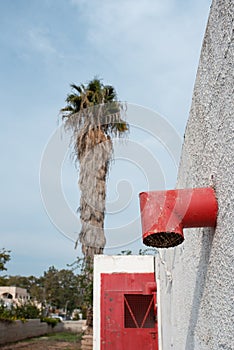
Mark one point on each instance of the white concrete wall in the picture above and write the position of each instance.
(196, 278)
(111, 264)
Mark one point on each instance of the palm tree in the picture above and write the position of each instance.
(93, 114)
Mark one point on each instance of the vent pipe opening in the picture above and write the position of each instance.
(164, 214)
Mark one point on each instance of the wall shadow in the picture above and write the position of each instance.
(207, 241)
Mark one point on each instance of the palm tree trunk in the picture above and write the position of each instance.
(94, 164)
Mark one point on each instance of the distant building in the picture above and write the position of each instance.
(13, 295)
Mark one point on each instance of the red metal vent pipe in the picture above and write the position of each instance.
(164, 214)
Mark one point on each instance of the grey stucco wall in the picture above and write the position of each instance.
(196, 278)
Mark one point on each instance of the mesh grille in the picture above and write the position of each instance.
(139, 311)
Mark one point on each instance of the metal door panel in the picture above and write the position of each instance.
(127, 315)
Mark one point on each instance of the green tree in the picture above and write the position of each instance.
(4, 258)
(60, 289)
(31, 283)
(19, 281)
(51, 286)
(68, 291)
(35, 288)
(84, 281)
(94, 116)
(57, 288)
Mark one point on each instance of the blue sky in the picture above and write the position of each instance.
(149, 50)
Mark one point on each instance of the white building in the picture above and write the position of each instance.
(13, 295)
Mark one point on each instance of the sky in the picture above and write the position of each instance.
(149, 51)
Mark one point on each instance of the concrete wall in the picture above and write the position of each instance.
(12, 332)
(74, 326)
(196, 278)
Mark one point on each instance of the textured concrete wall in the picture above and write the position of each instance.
(12, 332)
(196, 278)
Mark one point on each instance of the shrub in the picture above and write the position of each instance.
(18, 312)
(6, 314)
(26, 311)
(50, 321)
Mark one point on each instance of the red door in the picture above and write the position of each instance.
(128, 314)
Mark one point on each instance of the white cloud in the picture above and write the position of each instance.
(39, 41)
(139, 27)
(153, 45)
(111, 22)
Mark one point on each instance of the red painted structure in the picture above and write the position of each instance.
(128, 311)
(164, 214)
